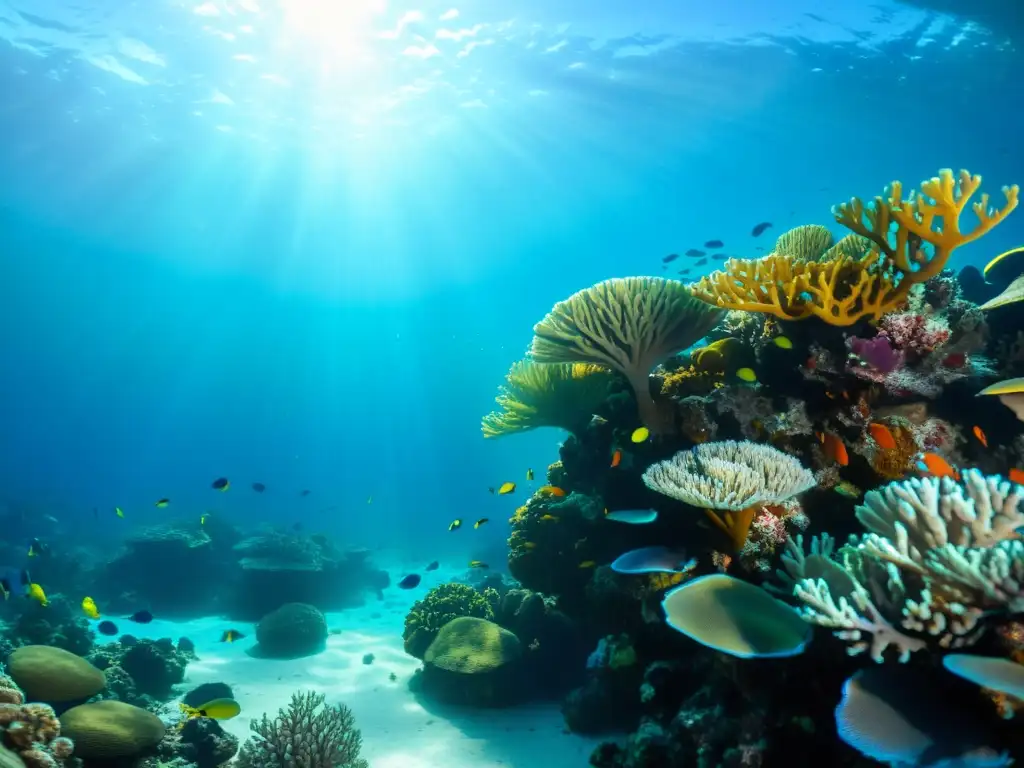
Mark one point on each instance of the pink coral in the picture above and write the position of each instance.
(914, 334)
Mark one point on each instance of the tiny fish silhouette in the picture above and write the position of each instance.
(758, 230)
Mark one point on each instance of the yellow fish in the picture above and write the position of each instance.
(118, 511)
(36, 593)
(202, 519)
(478, 564)
(548, 518)
(506, 488)
(529, 545)
(847, 489)
(529, 474)
(89, 608)
(588, 564)
(162, 503)
(480, 522)
(455, 524)
(783, 342)
(747, 374)
(218, 709)
(640, 434)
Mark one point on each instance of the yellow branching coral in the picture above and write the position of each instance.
(628, 324)
(539, 395)
(869, 273)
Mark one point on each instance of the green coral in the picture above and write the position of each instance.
(439, 606)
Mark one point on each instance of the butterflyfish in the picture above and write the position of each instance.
(551, 490)
(220, 484)
(35, 592)
(89, 608)
(506, 488)
(933, 464)
(230, 635)
(454, 525)
(980, 434)
(640, 434)
(218, 709)
(881, 435)
(835, 450)
(410, 582)
(480, 522)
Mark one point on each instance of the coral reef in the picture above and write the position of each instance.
(307, 734)
(439, 606)
(833, 400)
(31, 730)
(141, 672)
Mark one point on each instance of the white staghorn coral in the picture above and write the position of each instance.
(939, 558)
(729, 475)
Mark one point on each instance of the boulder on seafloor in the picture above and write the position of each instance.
(205, 743)
(472, 662)
(292, 631)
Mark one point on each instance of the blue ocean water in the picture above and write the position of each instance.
(292, 244)
(300, 242)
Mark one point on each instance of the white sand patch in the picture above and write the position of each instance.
(398, 731)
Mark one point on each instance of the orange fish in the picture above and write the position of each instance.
(978, 433)
(551, 490)
(835, 450)
(1017, 476)
(882, 436)
(616, 458)
(935, 465)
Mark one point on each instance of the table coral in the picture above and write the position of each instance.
(732, 481)
(843, 285)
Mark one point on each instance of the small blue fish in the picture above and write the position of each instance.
(654, 560)
(633, 516)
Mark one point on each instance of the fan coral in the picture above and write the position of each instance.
(938, 558)
(737, 478)
(628, 324)
(848, 283)
(536, 395)
(304, 736)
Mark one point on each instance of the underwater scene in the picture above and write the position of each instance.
(511, 384)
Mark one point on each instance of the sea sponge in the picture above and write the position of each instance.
(105, 730)
(439, 606)
(471, 646)
(629, 325)
(54, 675)
(563, 395)
(293, 630)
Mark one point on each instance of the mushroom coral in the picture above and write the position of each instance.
(865, 277)
(629, 324)
(541, 395)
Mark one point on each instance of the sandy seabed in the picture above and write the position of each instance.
(399, 731)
